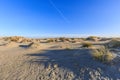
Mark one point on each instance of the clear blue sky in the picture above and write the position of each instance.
(59, 17)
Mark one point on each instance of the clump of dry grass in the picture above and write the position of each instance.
(67, 48)
(87, 44)
(102, 54)
(63, 39)
(73, 41)
(113, 44)
(50, 40)
(17, 39)
(14, 38)
(93, 38)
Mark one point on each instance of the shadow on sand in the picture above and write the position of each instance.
(74, 60)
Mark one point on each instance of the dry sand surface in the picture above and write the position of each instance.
(52, 61)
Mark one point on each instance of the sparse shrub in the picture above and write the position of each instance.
(73, 41)
(50, 40)
(93, 38)
(62, 39)
(83, 39)
(13, 38)
(68, 48)
(113, 44)
(102, 54)
(105, 39)
(72, 38)
(17, 39)
(87, 44)
(66, 39)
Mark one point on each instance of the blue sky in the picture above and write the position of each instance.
(59, 17)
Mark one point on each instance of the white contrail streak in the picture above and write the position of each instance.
(59, 11)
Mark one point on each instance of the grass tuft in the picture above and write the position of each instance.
(87, 44)
(102, 54)
(50, 40)
(113, 44)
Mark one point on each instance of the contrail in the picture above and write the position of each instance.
(59, 11)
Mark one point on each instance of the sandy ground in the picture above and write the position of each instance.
(52, 62)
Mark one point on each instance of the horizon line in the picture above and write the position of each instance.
(63, 35)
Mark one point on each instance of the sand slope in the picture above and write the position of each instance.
(51, 62)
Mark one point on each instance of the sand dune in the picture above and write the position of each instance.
(54, 61)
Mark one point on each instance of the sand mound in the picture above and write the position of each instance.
(113, 44)
(17, 39)
(12, 44)
(34, 45)
(93, 38)
(56, 63)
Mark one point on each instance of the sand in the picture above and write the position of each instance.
(52, 61)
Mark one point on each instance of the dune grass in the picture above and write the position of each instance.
(87, 44)
(67, 48)
(113, 44)
(102, 54)
(50, 40)
(92, 38)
